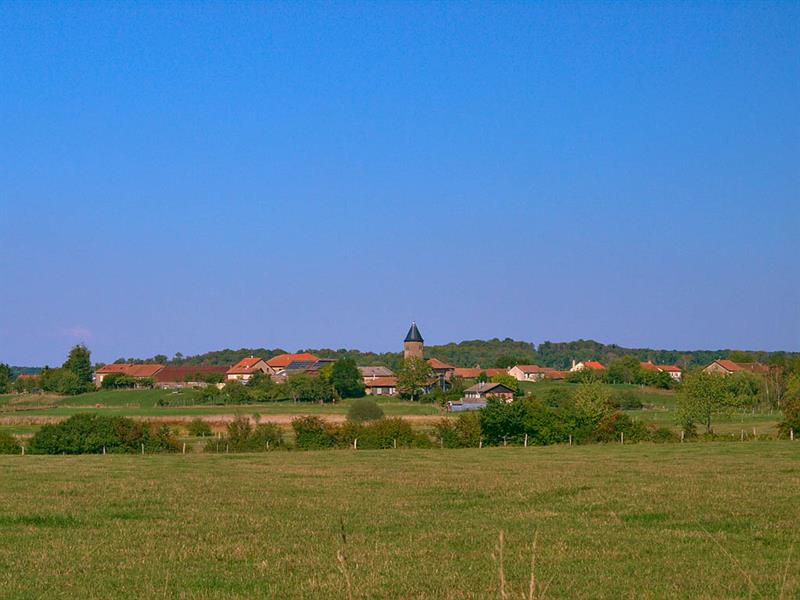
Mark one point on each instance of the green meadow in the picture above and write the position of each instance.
(694, 520)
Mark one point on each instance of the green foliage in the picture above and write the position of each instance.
(704, 395)
(626, 369)
(9, 444)
(586, 376)
(79, 361)
(593, 400)
(462, 432)
(27, 385)
(90, 433)
(62, 381)
(790, 406)
(503, 422)
(211, 378)
(364, 409)
(508, 381)
(5, 378)
(613, 424)
(626, 400)
(199, 428)
(346, 378)
(305, 388)
(243, 437)
(312, 433)
(384, 433)
(118, 381)
(412, 377)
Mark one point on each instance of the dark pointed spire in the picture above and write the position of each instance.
(414, 334)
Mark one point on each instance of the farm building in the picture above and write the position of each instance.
(138, 371)
(179, 376)
(246, 368)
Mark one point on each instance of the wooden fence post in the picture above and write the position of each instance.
(683, 433)
(570, 439)
(23, 450)
(394, 443)
(355, 444)
(526, 440)
(791, 434)
(741, 438)
(184, 447)
(480, 442)
(142, 449)
(621, 437)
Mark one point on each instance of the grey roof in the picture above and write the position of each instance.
(414, 334)
(378, 371)
(487, 386)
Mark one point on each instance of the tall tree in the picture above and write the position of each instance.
(413, 376)
(5, 378)
(704, 395)
(346, 378)
(79, 362)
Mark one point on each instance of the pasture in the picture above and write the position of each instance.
(701, 520)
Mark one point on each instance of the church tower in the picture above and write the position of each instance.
(412, 346)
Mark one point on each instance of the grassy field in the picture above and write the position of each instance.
(145, 403)
(705, 520)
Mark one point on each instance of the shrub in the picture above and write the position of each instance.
(89, 434)
(790, 406)
(198, 428)
(243, 437)
(462, 432)
(626, 400)
(384, 434)
(615, 423)
(313, 433)
(9, 444)
(364, 409)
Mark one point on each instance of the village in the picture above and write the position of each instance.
(484, 383)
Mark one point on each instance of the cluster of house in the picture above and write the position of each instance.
(278, 368)
(382, 381)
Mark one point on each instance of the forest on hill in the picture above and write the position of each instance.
(493, 353)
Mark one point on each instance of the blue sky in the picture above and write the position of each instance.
(187, 177)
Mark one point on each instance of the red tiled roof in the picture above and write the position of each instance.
(753, 367)
(728, 364)
(670, 368)
(493, 372)
(532, 369)
(178, 374)
(381, 382)
(467, 372)
(435, 363)
(648, 366)
(556, 374)
(27, 376)
(284, 360)
(593, 364)
(146, 370)
(244, 366)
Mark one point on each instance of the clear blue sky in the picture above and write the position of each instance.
(187, 177)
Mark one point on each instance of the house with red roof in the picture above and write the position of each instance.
(533, 373)
(276, 364)
(191, 375)
(724, 366)
(441, 369)
(148, 370)
(586, 364)
(673, 371)
(246, 368)
(380, 386)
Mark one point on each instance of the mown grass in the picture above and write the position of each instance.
(691, 521)
(146, 403)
